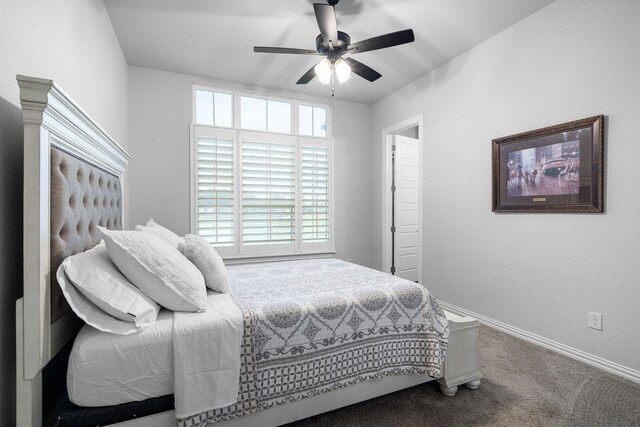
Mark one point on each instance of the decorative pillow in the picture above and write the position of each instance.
(157, 269)
(95, 276)
(165, 234)
(205, 257)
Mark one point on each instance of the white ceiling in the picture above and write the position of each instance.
(215, 38)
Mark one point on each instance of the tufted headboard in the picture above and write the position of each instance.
(83, 196)
(73, 172)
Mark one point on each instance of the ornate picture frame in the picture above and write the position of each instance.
(554, 169)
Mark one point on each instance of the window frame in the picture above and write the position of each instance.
(239, 252)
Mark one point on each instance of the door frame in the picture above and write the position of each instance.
(387, 140)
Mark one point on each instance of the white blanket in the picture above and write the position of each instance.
(206, 350)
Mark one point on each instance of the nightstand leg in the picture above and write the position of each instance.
(473, 384)
(448, 391)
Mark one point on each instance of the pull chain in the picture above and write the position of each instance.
(333, 81)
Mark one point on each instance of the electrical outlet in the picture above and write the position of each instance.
(595, 320)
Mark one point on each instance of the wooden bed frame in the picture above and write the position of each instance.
(53, 120)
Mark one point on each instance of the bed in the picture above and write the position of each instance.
(332, 339)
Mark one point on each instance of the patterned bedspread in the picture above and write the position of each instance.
(314, 326)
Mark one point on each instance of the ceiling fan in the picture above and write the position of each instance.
(333, 44)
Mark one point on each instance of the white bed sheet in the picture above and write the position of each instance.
(108, 369)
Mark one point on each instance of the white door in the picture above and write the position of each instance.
(407, 214)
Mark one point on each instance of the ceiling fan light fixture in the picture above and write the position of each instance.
(343, 70)
(323, 71)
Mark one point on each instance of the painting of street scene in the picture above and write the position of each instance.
(542, 171)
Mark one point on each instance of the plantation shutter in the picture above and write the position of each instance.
(214, 160)
(268, 193)
(314, 194)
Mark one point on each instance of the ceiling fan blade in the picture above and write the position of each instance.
(307, 77)
(326, 17)
(362, 70)
(262, 49)
(381, 42)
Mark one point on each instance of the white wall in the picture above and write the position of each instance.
(538, 272)
(160, 111)
(73, 43)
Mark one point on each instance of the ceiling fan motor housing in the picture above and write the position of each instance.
(322, 45)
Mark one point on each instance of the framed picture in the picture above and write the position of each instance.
(555, 169)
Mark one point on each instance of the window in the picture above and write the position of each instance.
(265, 114)
(258, 188)
(313, 121)
(213, 108)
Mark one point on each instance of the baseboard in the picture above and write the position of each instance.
(571, 352)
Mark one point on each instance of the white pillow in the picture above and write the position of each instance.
(89, 312)
(157, 269)
(99, 280)
(165, 234)
(205, 257)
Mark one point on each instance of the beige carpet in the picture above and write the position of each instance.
(524, 385)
